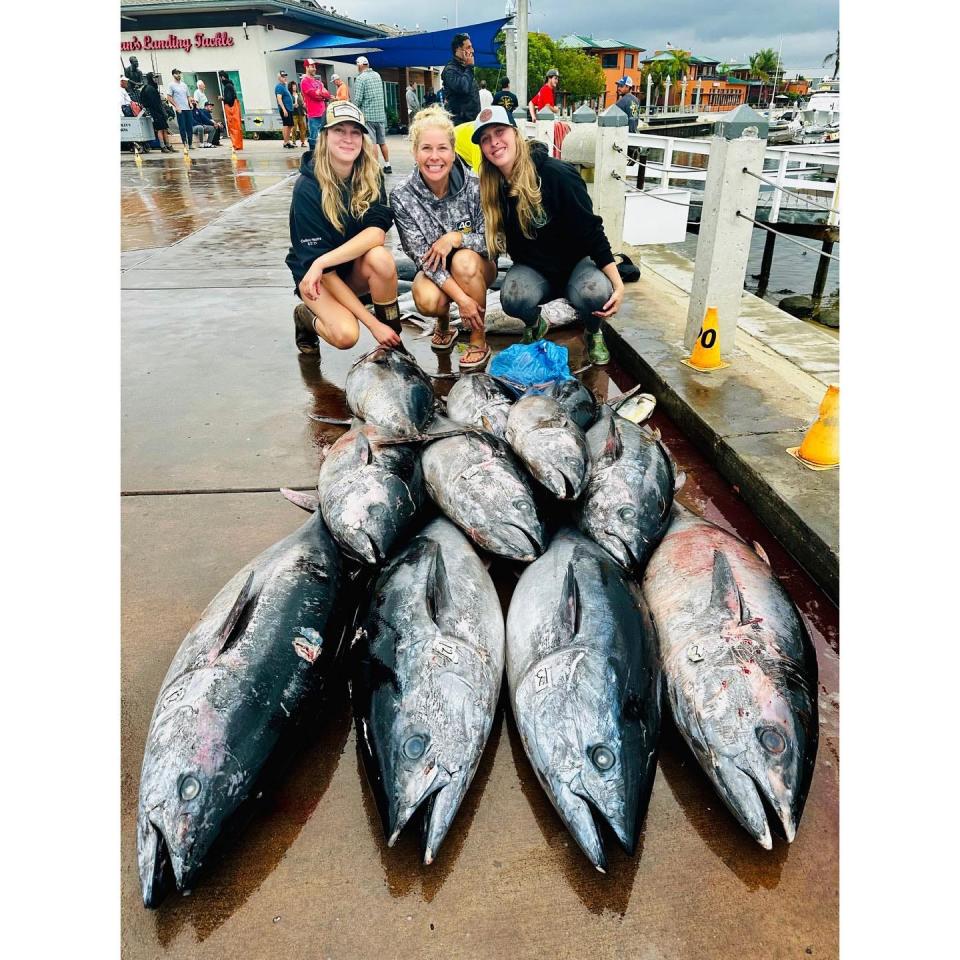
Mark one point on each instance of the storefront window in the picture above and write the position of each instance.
(609, 61)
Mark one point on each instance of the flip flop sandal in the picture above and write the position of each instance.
(448, 339)
(475, 364)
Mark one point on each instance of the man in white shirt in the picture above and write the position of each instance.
(200, 95)
(180, 96)
(124, 97)
(486, 97)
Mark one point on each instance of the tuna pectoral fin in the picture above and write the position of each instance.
(304, 499)
(438, 596)
(726, 595)
(568, 614)
(228, 632)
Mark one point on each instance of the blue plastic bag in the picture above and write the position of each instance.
(526, 364)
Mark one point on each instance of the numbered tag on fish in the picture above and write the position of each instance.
(543, 679)
(446, 650)
(695, 652)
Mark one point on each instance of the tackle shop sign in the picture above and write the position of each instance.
(172, 42)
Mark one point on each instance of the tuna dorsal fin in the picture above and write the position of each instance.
(305, 499)
(226, 633)
(761, 553)
(726, 594)
(362, 449)
(439, 600)
(569, 612)
(613, 443)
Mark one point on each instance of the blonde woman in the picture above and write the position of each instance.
(537, 210)
(440, 221)
(338, 222)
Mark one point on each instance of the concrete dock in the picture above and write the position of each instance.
(216, 408)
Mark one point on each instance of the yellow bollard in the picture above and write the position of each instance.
(233, 155)
(820, 449)
(137, 159)
(705, 355)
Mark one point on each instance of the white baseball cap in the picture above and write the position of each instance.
(488, 117)
(363, 60)
(334, 77)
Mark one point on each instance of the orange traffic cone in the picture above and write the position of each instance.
(820, 449)
(705, 355)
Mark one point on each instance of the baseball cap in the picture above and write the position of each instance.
(175, 70)
(363, 60)
(553, 73)
(311, 63)
(625, 81)
(487, 118)
(343, 111)
(283, 73)
(334, 77)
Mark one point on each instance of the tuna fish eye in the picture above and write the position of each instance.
(772, 740)
(523, 505)
(603, 757)
(189, 788)
(415, 746)
(627, 513)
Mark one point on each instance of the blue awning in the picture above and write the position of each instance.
(412, 50)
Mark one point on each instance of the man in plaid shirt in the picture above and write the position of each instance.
(368, 96)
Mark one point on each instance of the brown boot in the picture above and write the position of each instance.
(304, 332)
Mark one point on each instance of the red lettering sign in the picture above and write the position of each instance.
(172, 42)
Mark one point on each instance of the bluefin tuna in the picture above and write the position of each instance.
(370, 491)
(740, 672)
(477, 482)
(626, 504)
(480, 400)
(585, 689)
(265, 642)
(430, 661)
(551, 446)
(388, 388)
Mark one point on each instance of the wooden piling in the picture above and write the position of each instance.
(765, 264)
(820, 281)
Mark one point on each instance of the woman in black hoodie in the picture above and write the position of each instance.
(537, 210)
(338, 223)
(152, 102)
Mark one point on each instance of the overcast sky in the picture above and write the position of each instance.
(734, 32)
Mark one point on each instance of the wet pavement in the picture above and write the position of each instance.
(215, 409)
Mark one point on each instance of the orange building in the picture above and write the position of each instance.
(616, 58)
(707, 89)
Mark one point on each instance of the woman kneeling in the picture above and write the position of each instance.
(338, 222)
(537, 210)
(440, 222)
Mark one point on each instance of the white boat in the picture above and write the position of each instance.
(823, 107)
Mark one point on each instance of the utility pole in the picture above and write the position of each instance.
(521, 79)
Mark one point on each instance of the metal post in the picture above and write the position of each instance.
(699, 86)
(641, 169)
(765, 264)
(666, 97)
(649, 85)
(683, 93)
(521, 87)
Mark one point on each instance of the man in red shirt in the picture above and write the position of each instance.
(315, 97)
(545, 98)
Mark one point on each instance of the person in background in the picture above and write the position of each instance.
(537, 210)
(627, 102)
(285, 106)
(315, 99)
(125, 109)
(135, 75)
(339, 218)
(413, 102)
(369, 97)
(299, 117)
(343, 91)
(461, 95)
(486, 97)
(208, 130)
(152, 102)
(546, 96)
(430, 98)
(180, 96)
(440, 221)
(200, 95)
(505, 97)
(231, 110)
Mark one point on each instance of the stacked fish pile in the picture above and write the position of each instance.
(626, 595)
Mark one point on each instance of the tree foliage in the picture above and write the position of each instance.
(834, 58)
(764, 65)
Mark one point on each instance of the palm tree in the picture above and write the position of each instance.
(676, 68)
(765, 66)
(835, 57)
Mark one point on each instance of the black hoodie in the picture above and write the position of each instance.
(311, 233)
(572, 230)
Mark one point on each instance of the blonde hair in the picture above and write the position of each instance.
(524, 184)
(432, 116)
(365, 182)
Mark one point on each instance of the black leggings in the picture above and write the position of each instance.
(524, 289)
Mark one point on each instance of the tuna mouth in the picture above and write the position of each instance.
(625, 555)
(578, 814)
(156, 869)
(398, 815)
(753, 802)
(522, 545)
(365, 548)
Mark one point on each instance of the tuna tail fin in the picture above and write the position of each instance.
(228, 632)
(304, 499)
(726, 594)
(569, 610)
